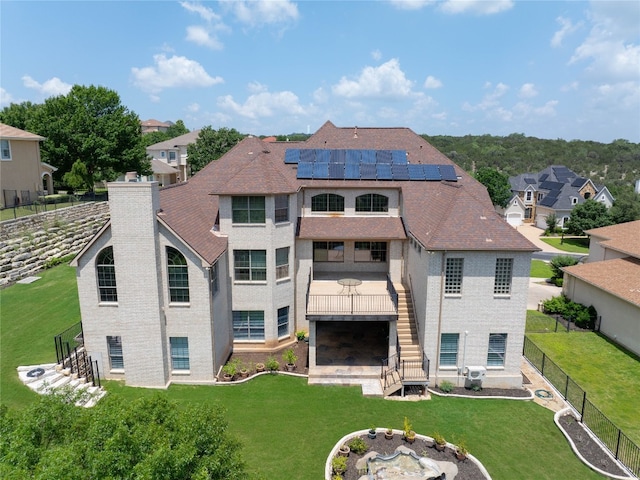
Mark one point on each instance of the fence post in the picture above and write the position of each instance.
(584, 400)
(566, 387)
(543, 357)
(618, 443)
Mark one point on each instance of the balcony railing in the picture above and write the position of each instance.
(352, 305)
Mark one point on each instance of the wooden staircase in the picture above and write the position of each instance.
(407, 332)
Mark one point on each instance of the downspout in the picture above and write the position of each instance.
(211, 319)
(438, 339)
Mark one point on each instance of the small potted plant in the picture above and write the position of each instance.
(388, 434)
(409, 434)
(272, 365)
(290, 359)
(300, 335)
(461, 450)
(344, 450)
(229, 370)
(260, 367)
(372, 432)
(439, 441)
(339, 464)
(243, 370)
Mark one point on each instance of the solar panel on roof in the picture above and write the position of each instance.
(320, 170)
(543, 177)
(338, 156)
(292, 155)
(432, 172)
(448, 173)
(416, 172)
(307, 155)
(548, 185)
(353, 156)
(383, 171)
(400, 172)
(336, 171)
(352, 171)
(578, 182)
(305, 170)
(368, 171)
(548, 201)
(368, 156)
(529, 180)
(323, 156)
(383, 156)
(399, 157)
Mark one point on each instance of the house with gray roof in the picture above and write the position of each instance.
(554, 190)
(386, 253)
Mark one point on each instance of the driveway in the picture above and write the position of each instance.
(533, 235)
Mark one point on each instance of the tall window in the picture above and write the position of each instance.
(281, 208)
(327, 202)
(370, 252)
(504, 272)
(5, 150)
(248, 325)
(250, 265)
(328, 251)
(172, 156)
(114, 345)
(179, 353)
(215, 278)
(178, 276)
(106, 272)
(282, 263)
(453, 276)
(372, 202)
(449, 349)
(247, 209)
(283, 321)
(497, 349)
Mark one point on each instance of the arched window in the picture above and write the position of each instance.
(327, 202)
(178, 276)
(372, 202)
(106, 273)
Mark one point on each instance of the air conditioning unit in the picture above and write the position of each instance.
(476, 373)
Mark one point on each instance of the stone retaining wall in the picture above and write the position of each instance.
(30, 243)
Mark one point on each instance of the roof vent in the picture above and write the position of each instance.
(488, 240)
(355, 132)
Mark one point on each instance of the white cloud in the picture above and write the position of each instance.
(263, 104)
(202, 36)
(257, 87)
(623, 95)
(566, 28)
(385, 81)
(376, 55)
(490, 100)
(432, 82)
(320, 95)
(439, 116)
(528, 90)
(205, 35)
(53, 86)
(204, 12)
(411, 4)
(265, 12)
(193, 108)
(547, 110)
(172, 72)
(480, 7)
(570, 87)
(5, 98)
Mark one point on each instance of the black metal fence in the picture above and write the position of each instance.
(24, 203)
(70, 353)
(622, 448)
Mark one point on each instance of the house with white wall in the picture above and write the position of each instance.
(356, 232)
(173, 152)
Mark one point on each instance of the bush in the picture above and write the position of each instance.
(272, 364)
(555, 305)
(560, 261)
(446, 386)
(357, 445)
(339, 464)
(582, 316)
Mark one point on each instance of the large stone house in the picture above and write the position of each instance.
(554, 190)
(610, 281)
(369, 239)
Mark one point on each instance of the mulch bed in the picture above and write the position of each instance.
(301, 350)
(487, 392)
(588, 447)
(467, 470)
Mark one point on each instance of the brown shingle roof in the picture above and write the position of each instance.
(619, 277)
(623, 237)
(352, 228)
(13, 133)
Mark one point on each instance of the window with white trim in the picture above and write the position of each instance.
(281, 208)
(453, 276)
(328, 251)
(5, 150)
(449, 349)
(114, 347)
(179, 353)
(504, 273)
(282, 263)
(250, 265)
(178, 274)
(172, 157)
(370, 252)
(248, 325)
(327, 202)
(528, 195)
(497, 349)
(283, 321)
(106, 275)
(372, 202)
(247, 209)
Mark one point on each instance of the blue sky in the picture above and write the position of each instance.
(550, 69)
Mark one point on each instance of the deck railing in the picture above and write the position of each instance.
(352, 305)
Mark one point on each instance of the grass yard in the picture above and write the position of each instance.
(571, 244)
(539, 322)
(540, 269)
(609, 374)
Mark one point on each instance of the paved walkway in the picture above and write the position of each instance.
(533, 235)
(555, 403)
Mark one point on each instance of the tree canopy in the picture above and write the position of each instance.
(142, 438)
(626, 207)
(497, 185)
(173, 131)
(588, 215)
(210, 145)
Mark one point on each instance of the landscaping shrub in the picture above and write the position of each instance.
(582, 316)
(357, 445)
(561, 261)
(446, 386)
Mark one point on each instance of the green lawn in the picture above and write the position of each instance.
(572, 244)
(539, 322)
(609, 374)
(288, 427)
(540, 269)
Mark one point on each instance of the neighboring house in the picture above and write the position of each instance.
(610, 281)
(369, 238)
(173, 152)
(554, 190)
(23, 177)
(163, 173)
(153, 125)
(514, 212)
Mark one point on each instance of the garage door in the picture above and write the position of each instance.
(514, 219)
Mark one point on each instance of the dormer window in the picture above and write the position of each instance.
(574, 201)
(528, 196)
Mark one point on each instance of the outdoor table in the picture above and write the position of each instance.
(348, 284)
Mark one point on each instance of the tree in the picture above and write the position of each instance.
(626, 208)
(118, 438)
(90, 124)
(557, 263)
(19, 115)
(588, 215)
(497, 184)
(177, 129)
(552, 223)
(211, 145)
